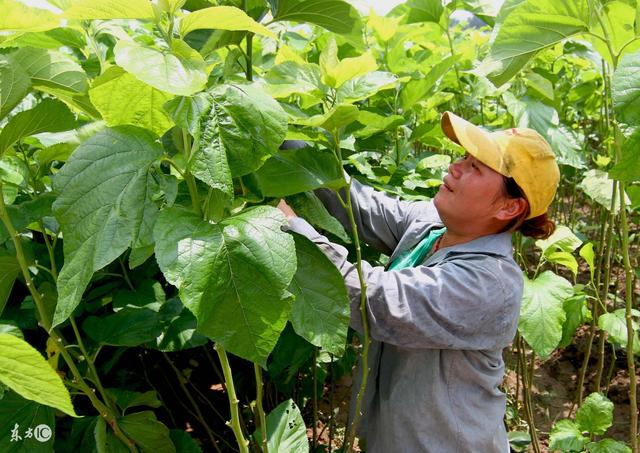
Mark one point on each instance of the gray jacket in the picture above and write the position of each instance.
(438, 329)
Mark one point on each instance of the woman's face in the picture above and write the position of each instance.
(471, 195)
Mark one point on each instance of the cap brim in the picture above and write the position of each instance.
(476, 141)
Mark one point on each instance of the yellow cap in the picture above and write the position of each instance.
(521, 154)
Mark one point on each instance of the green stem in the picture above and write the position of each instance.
(188, 177)
(455, 65)
(261, 415)
(249, 57)
(45, 322)
(315, 399)
(50, 250)
(243, 444)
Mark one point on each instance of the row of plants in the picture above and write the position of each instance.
(141, 252)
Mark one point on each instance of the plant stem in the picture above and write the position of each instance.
(315, 399)
(263, 419)
(249, 57)
(188, 177)
(243, 444)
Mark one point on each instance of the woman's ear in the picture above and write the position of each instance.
(512, 208)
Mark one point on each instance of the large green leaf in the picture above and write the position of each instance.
(126, 398)
(566, 436)
(180, 70)
(320, 311)
(365, 86)
(286, 430)
(541, 315)
(127, 327)
(627, 169)
(577, 314)
(222, 18)
(180, 331)
(50, 39)
(232, 275)
(14, 84)
(595, 414)
(9, 271)
(110, 9)
(122, 99)
(298, 170)
(186, 111)
(334, 15)
(27, 212)
(147, 432)
(104, 189)
(529, 27)
(562, 239)
(18, 415)
(291, 77)
(184, 442)
(27, 373)
(244, 126)
(625, 89)
(52, 69)
(19, 16)
(50, 115)
(337, 118)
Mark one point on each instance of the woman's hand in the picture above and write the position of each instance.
(286, 209)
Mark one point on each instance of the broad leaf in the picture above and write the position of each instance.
(122, 99)
(562, 239)
(184, 442)
(627, 169)
(110, 9)
(127, 327)
(541, 315)
(375, 123)
(608, 446)
(232, 275)
(186, 111)
(334, 15)
(19, 415)
(588, 254)
(9, 271)
(298, 170)
(625, 88)
(320, 310)
(179, 71)
(50, 115)
(529, 27)
(243, 126)
(308, 205)
(180, 331)
(14, 175)
(27, 373)
(285, 429)
(50, 69)
(103, 191)
(595, 414)
(147, 432)
(566, 436)
(615, 324)
(292, 77)
(222, 18)
(599, 187)
(27, 212)
(14, 84)
(365, 86)
(19, 16)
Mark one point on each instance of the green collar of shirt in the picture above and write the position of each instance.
(417, 255)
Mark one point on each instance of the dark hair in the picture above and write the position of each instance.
(540, 227)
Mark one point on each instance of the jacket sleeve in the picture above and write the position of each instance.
(470, 303)
(380, 218)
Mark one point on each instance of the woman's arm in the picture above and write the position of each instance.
(466, 303)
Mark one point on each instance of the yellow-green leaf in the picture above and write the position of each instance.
(110, 9)
(17, 16)
(26, 372)
(336, 72)
(123, 99)
(222, 18)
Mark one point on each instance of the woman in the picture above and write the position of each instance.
(444, 309)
